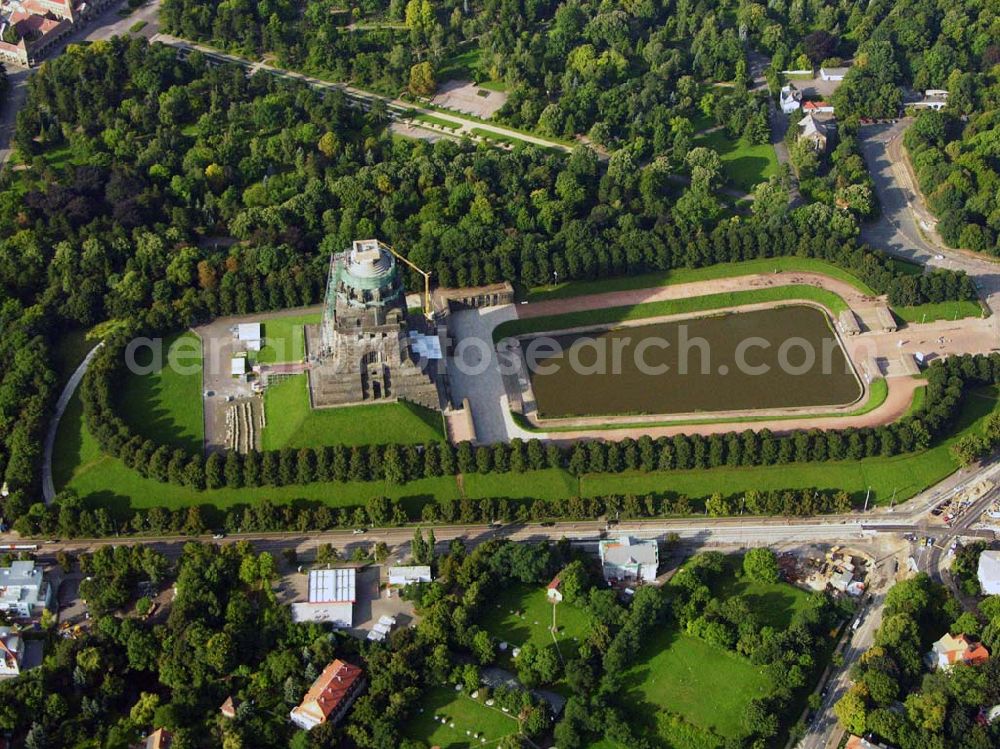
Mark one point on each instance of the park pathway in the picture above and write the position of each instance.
(48, 485)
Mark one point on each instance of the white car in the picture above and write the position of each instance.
(357, 531)
(939, 257)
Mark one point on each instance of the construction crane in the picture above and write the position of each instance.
(428, 310)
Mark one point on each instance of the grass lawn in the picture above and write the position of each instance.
(463, 65)
(743, 165)
(292, 423)
(919, 396)
(465, 713)
(106, 481)
(496, 137)
(692, 275)
(437, 121)
(878, 391)
(605, 315)
(908, 474)
(774, 603)
(498, 86)
(165, 405)
(521, 614)
(941, 311)
(708, 686)
(550, 483)
(284, 339)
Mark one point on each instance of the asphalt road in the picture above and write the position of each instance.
(904, 229)
(48, 486)
(825, 732)
(18, 79)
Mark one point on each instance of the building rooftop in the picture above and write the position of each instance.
(412, 570)
(960, 648)
(248, 331)
(368, 265)
(332, 586)
(629, 551)
(20, 582)
(329, 690)
(989, 567)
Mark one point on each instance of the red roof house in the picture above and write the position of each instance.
(330, 696)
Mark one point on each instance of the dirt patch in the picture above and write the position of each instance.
(467, 97)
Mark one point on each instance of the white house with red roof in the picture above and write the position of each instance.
(330, 696)
(950, 650)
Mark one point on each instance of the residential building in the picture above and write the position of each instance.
(552, 591)
(815, 131)
(833, 74)
(989, 573)
(817, 107)
(629, 559)
(40, 24)
(228, 708)
(934, 98)
(330, 696)
(790, 98)
(410, 575)
(857, 742)
(332, 594)
(23, 590)
(11, 653)
(161, 738)
(950, 650)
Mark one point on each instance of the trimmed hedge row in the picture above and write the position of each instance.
(399, 464)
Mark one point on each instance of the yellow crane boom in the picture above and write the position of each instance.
(428, 311)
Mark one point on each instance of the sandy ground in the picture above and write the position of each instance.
(465, 96)
(632, 297)
(218, 347)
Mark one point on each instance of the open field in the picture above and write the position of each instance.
(465, 713)
(743, 165)
(722, 300)
(690, 275)
(774, 603)
(106, 481)
(166, 405)
(464, 64)
(906, 474)
(549, 483)
(522, 614)
(917, 314)
(941, 311)
(708, 686)
(284, 339)
(292, 423)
